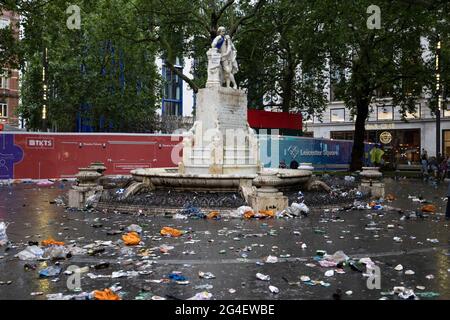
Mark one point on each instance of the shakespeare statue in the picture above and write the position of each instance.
(229, 67)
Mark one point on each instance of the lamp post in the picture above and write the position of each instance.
(438, 96)
(44, 88)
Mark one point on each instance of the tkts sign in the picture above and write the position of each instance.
(47, 143)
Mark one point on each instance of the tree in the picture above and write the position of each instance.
(186, 28)
(106, 79)
(388, 59)
(283, 58)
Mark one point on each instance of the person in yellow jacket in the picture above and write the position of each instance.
(376, 155)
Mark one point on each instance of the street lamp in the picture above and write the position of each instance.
(44, 89)
(438, 95)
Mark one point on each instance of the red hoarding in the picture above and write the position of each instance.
(260, 119)
(59, 155)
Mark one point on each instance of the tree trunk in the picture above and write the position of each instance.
(362, 112)
(179, 73)
(287, 86)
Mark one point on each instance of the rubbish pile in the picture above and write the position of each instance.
(192, 212)
(295, 210)
(258, 250)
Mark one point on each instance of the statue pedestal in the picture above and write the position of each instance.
(88, 179)
(371, 178)
(221, 141)
(267, 197)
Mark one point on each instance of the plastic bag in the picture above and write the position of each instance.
(213, 215)
(337, 257)
(31, 253)
(134, 228)
(131, 239)
(179, 216)
(248, 214)
(430, 208)
(206, 275)
(167, 231)
(92, 200)
(55, 252)
(263, 277)
(177, 277)
(52, 242)
(3, 236)
(49, 272)
(271, 259)
(243, 212)
(266, 214)
(192, 212)
(106, 294)
(202, 296)
(298, 208)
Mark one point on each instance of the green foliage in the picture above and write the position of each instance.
(94, 70)
(286, 53)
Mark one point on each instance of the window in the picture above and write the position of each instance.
(385, 113)
(4, 23)
(342, 135)
(409, 115)
(446, 107)
(3, 110)
(337, 115)
(414, 115)
(4, 80)
(172, 102)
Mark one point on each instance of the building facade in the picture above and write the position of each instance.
(402, 138)
(9, 79)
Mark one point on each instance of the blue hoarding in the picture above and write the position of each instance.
(324, 154)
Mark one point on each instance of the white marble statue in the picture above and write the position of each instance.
(229, 66)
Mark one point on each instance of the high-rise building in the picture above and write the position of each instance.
(9, 78)
(172, 99)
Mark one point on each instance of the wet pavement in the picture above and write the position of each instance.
(232, 249)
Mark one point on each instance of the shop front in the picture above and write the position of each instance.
(400, 146)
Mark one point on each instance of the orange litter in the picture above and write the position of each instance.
(390, 197)
(131, 239)
(52, 242)
(431, 208)
(167, 231)
(106, 294)
(249, 214)
(267, 213)
(213, 214)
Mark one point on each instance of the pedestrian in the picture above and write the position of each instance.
(433, 166)
(439, 157)
(282, 165)
(376, 155)
(293, 164)
(443, 169)
(447, 211)
(424, 162)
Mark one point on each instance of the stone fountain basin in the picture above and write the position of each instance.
(171, 178)
(291, 177)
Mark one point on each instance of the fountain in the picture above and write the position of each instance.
(221, 152)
